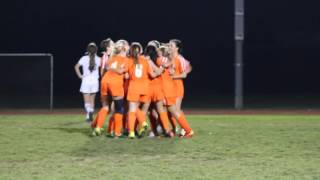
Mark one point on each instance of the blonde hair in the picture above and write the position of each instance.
(119, 46)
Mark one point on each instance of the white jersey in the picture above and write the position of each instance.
(90, 80)
(85, 63)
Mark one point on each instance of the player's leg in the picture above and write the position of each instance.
(92, 97)
(173, 120)
(99, 121)
(118, 115)
(132, 117)
(153, 118)
(179, 115)
(164, 118)
(111, 127)
(141, 114)
(87, 105)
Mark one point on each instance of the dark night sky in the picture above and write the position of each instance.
(281, 48)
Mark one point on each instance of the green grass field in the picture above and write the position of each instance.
(224, 147)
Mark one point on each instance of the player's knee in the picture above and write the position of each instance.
(118, 106)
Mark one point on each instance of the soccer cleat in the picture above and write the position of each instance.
(111, 134)
(131, 135)
(142, 130)
(187, 135)
(93, 133)
(97, 131)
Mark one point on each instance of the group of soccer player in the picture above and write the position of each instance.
(136, 82)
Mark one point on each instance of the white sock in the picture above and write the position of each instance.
(87, 107)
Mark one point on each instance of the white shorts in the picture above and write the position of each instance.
(89, 86)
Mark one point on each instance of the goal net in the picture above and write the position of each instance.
(26, 81)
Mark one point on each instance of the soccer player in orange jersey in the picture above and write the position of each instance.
(181, 68)
(139, 70)
(169, 89)
(112, 84)
(108, 48)
(156, 92)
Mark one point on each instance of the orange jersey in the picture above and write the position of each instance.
(112, 83)
(178, 69)
(116, 62)
(156, 91)
(168, 84)
(139, 76)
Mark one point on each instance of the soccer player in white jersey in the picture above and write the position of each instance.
(90, 64)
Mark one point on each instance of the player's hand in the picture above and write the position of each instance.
(161, 69)
(171, 71)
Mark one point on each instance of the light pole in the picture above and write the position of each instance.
(239, 39)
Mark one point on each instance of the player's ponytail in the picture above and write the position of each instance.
(92, 51)
(135, 51)
(151, 50)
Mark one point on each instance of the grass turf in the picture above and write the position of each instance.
(224, 147)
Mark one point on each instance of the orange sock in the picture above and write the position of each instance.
(94, 122)
(141, 116)
(183, 123)
(165, 120)
(131, 121)
(173, 122)
(101, 118)
(111, 124)
(118, 124)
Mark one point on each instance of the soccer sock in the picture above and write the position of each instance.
(173, 122)
(94, 122)
(131, 121)
(183, 123)
(111, 125)
(87, 107)
(165, 120)
(141, 116)
(101, 118)
(118, 124)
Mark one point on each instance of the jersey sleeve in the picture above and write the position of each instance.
(81, 61)
(184, 64)
(149, 67)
